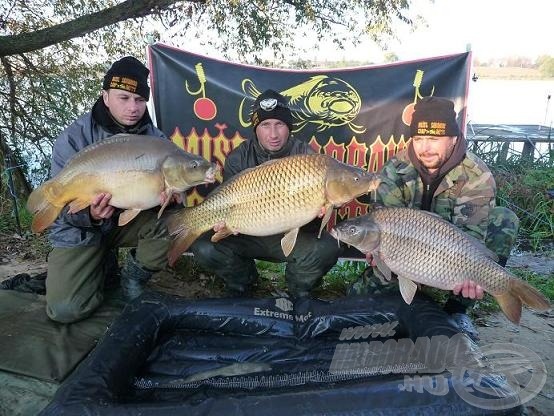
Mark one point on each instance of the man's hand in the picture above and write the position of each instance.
(369, 258)
(469, 289)
(322, 212)
(100, 207)
(220, 226)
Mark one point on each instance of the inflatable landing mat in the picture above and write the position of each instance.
(352, 356)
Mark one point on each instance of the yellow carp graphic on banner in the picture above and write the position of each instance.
(322, 100)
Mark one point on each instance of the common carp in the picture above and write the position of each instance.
(134, 169)
(275, 197)
(422, 247)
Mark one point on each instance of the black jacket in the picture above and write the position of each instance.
(250, 154)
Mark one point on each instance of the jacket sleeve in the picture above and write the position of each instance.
(390, 192)
(474, 203)
(234, 163)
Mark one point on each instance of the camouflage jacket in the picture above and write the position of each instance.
(464, 197)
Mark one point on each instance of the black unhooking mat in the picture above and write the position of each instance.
(352, 356)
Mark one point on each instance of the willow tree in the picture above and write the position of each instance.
(53, 53)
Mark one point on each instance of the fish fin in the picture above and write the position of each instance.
(40, 205)
(168, 195)
(127, 216)
(184, 236)
(221, 234)
(77, 205)
(288, 241)
(518, 293)
(326, 218)
(181, 244)
(383, 268)
(174, 223)
(408, 289)
(45, 217)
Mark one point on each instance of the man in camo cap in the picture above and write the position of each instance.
(437, 173)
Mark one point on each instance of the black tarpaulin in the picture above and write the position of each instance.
(167, 356)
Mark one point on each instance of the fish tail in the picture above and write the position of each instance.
(184, 236)
(40, 205)
(181, 244)
(518, 293)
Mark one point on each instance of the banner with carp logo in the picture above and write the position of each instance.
(358, 115)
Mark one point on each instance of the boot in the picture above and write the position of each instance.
(113, 274)
(133, 277)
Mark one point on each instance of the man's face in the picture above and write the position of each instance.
(272, 134)
(433, 151)
(125, 107)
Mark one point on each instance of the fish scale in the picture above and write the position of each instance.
(435, 250)
(134, 169)
(241, 199)
(276, 197)
(422, 247)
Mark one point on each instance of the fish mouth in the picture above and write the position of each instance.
(211, 172)
(334, 233)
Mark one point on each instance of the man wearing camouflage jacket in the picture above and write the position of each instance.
(437, 173)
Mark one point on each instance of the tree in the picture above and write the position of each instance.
(547, 66)
(53, 53)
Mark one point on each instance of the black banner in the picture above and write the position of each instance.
(358, 115)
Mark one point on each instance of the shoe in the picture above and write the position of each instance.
(133, 277)
(25, 283)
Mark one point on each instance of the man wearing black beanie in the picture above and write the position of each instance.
(80, 264)
(437, 173)
(232, 259)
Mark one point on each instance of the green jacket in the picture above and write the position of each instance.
(464, 197)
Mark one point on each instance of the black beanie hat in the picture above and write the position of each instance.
(434, 116)
(271, 104)
(128, 74)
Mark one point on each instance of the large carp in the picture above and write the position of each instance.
(422, 247)
(134, 169)
(275, 197)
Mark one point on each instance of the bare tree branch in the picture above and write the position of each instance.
(27, 42)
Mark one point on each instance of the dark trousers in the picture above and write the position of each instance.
(232, 259)
(75, 280)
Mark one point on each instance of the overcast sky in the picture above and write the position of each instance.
(493, 28)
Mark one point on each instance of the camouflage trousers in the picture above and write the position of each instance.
(501, 235)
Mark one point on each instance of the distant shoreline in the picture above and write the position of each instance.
(509, 73)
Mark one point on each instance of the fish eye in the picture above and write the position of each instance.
(194, 164)
(352, 230)
(356, 179)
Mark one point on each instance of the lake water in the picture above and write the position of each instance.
(511, 102)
